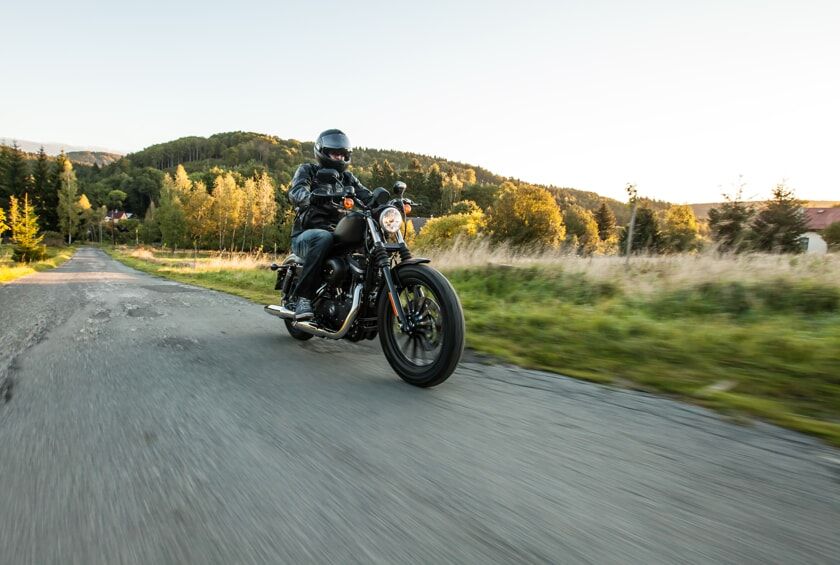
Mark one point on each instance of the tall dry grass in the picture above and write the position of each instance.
(648, 274)
(203, 261)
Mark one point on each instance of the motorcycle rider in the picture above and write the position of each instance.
(317, 215)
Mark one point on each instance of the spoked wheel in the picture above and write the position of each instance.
(426, 355)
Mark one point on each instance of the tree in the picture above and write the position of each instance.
(170, 215)
(42, 193)
(54, 188)
(87, 215)
(526, 215)
(482, 194)
(831, 235)
(27, 240)
(68, 206)
(15, 180)
(581, 229)
(679, 229)
(646, 235)
(150, 231)
(605, 219)
(633, 197)
(729, 224)
(779, 226)
(116, 199)
(4, 227)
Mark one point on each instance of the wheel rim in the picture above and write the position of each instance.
(423, 345)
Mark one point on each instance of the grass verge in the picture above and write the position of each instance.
(9, 270)
(765, 343)
(241, 278)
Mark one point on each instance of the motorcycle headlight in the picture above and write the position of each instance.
(390, 219)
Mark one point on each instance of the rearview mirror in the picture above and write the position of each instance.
(399, 188)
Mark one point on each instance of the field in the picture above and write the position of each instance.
(751, 335)
(9, 270)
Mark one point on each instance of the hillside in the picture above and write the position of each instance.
(76, 154)
(247, 152)
(91, 158)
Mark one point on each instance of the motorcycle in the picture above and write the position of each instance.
(374, 286)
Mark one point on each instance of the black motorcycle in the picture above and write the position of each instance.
(373, 285)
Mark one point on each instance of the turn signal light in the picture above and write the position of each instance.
(348, 203)
(407, 208)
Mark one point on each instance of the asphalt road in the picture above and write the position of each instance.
(153, 422)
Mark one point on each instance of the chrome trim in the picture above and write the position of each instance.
(280, 311)
(308, 327)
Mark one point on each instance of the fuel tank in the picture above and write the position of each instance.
(350, 229)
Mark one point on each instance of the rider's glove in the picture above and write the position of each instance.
(319, 199)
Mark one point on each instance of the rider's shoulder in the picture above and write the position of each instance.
(306, 170)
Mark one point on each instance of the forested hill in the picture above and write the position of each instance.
(248, 152)
(98, 158)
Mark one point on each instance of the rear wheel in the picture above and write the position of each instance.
(296, 333)
(428, 354)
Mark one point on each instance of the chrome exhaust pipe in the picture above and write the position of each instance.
(310, 328)
(280, 312)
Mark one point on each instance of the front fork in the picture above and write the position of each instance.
(406, 325)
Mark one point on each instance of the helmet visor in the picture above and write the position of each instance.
(335, 141)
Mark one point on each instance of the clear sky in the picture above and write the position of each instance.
(678, 97)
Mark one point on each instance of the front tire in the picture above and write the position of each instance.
(429, 356)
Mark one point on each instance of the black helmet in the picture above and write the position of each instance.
(333, 141)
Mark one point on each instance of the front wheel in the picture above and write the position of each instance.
(427, 355)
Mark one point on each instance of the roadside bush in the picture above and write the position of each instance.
(29, 253)
(445, 230)
(526, 216)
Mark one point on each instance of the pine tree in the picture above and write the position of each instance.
(605, 219)
(68, 206)
(729, 224)
(54, 187)
(16, 178)
(647, 237)
(28, 246)
(779, 226)
(43, 197)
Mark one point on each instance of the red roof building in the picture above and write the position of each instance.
(820, 218)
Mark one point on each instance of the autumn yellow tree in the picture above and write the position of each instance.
(526, 215)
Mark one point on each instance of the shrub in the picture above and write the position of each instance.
(445, 230)
(527, 215)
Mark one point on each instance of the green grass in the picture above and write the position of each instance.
(777, 345)
(9, 270)
(252, 283)
(772, 338)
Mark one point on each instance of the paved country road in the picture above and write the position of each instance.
(153, 422)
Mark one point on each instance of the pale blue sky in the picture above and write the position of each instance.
(678, 97)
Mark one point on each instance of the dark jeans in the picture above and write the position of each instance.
(312, 246)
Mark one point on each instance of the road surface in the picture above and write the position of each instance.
(153, 422)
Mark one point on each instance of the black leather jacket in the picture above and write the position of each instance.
(319, 217)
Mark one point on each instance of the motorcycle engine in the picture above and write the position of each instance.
(332, 311)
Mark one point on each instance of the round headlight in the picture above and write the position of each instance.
(390, 219)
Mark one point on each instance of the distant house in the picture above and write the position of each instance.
(818, 219)
(115, 216)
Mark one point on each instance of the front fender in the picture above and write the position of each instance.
(412, 261)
